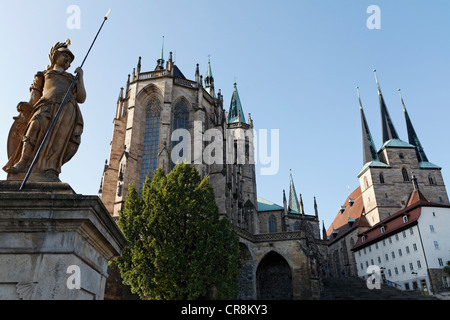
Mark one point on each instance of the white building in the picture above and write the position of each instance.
(411, 247)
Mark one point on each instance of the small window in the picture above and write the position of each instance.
(363, 238)
(381, 178)
(366, 183)
(383, 229)
(434, 214)
(431, 180)
(405, 175)
(272, 224)
(431, 228)
(436, 244)
(405, 219)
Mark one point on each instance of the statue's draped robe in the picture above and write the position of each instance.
(65, 137)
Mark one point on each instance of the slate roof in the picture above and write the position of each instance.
(266, 205)
(348, 218)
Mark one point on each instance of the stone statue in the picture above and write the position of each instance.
(30, 126)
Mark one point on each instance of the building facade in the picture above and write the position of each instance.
(162, 118)
(410, 247)
(386, 188)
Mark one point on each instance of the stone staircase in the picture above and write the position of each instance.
(351, 288)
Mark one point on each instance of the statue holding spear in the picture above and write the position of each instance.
(47, 132)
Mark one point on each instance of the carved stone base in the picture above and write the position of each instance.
(50, 238)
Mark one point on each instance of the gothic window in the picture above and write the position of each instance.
(405, 175)
(180, 121)
(151, 140)
(366, 183)
(272, 224)
(431, 179)
(381, 177)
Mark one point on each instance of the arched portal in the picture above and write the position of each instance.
(274, 278)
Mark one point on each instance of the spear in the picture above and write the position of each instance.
(36, 157)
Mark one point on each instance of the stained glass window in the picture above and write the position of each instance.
(180, 121)
(151, 140)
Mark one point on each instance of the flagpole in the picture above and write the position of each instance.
(60, 107)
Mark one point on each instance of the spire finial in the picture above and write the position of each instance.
(401, 98)
(359, 97)
(160, 61)
(376, 79)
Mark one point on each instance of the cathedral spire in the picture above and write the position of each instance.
(236, 113)
(369, 150)
(294, 205)
(209, 79)
(387, 126)
(412, 136)
(160, 61)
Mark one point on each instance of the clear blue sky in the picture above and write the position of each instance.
(296, 64)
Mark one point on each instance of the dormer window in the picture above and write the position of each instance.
(383, 229)
(405, 219)
(342, 209)
(351, 201)
(363, 238)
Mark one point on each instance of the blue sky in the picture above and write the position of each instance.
(296, 64)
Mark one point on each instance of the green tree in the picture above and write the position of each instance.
(179, 247)
(447, 268)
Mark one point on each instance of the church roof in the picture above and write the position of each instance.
(396, 143)
(369, 149)
(388, 129)
(349, 217)
(266, 205)
(294, 204)
(236, 110)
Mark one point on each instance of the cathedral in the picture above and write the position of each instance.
(281, 253)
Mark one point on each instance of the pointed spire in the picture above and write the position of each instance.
(302, 209)
(316, 210)
(294, 205)
(412, 136)
(160, 61)
(209, 79)
(324, 231)
(369, 150)
(387, 126)
(235, 108)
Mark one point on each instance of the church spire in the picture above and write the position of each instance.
(369, 150)
(294, 205)
(209, 79)
(236, 113)
(160, 61)
(412, 136)
(387, 126)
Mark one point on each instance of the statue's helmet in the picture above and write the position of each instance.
(57, 49)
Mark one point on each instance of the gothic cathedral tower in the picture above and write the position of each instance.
(386, 176)
(149, 111)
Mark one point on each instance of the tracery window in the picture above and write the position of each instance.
(180, 121)
(151, 140)
(272, 224)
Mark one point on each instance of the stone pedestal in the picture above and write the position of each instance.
(51, 240)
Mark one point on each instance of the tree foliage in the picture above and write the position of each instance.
(179, 247)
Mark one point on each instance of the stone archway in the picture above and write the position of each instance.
(274, 278)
